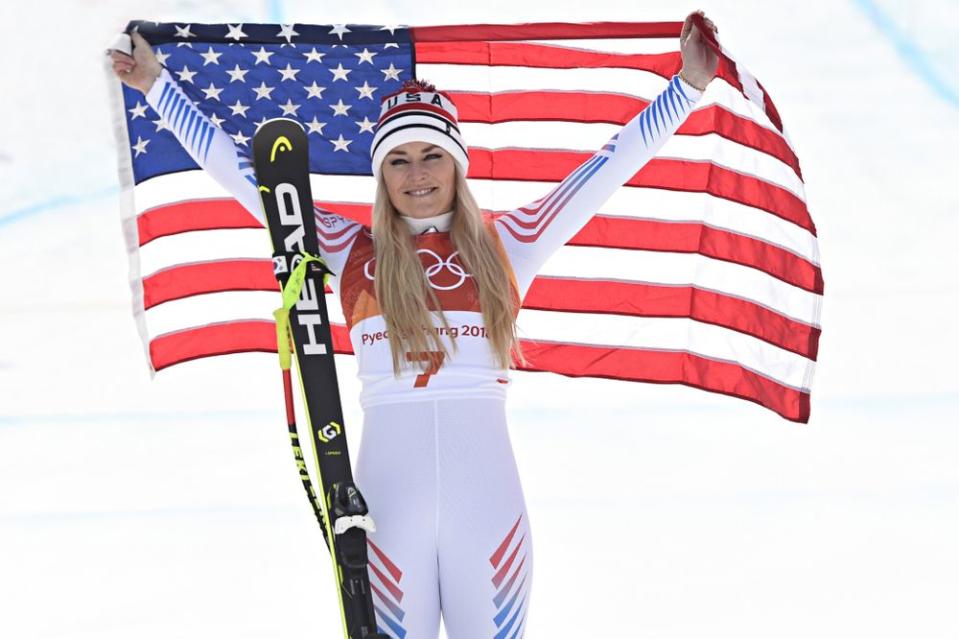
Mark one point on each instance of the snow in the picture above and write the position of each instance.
(139, 508)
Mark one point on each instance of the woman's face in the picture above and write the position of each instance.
(420, 179)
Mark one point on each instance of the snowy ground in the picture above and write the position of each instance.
(169, 508)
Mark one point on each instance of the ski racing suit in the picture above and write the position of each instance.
(435, 462)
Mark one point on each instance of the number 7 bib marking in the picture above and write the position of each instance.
(435, 358)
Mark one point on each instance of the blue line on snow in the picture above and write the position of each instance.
(56, 202)
(909, 50)
(13, 420)
(274, 11)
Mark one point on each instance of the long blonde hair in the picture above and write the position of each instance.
(406, 300)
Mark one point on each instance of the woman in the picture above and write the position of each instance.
(430, 295)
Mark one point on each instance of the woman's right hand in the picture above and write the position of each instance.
(140, 70)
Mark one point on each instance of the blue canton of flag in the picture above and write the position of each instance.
(330, 80)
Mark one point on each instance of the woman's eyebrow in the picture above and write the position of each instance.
(399, 152)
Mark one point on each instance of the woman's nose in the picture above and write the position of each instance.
(417, 171)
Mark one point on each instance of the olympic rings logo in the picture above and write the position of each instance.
(432, 270)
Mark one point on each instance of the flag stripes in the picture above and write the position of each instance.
(703, 269)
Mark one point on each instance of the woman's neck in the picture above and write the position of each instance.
(438, 223)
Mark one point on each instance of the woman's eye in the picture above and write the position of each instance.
(433, 156)
(397, 162)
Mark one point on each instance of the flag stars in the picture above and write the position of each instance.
(183, 32)
(315, 126)
(235, 32)
(261, 122)
(366, 56)
(237, 74)
(263, 92)
(341, 144)
(339, 73)
(314, 56)
(212, 93)
(239, 109)
(365, 91)
(390, 27)
(161, 57)
(392, 73)
(286, 31)
(366, 126)
(391, 45)
(339, 108)
(339, 30)
(161, 125)
(211, 57)
(217, 120)
(262, 56)
(138, 111)
(314, 91)
(240, 139)
(186, 75)
(140, 147)
(289, 73)
(289, 108)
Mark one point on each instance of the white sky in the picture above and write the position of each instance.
(131, 508)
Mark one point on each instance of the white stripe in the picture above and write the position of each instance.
(164, 190)
(201, 246)
(589, 137)
(473, 78)
(668, 334)
(615, 45)
(222, 307)
(684, 269)
(505, 195)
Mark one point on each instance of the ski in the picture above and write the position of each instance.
(281, 163)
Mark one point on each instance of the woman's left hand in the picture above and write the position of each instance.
(699, 59)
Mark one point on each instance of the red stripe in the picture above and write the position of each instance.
(389, 565)
(186, 280)
(543, 56)
(650, 300)
(227, 213)
(389, 585)
(574, 360)
(498, 554)
(545, 31)
(658, 173)
(608, 108)
(241, 336)
(545, 293)
(193, 215)
(666, 367)
(501, 573)
(693, 237)
(771, 112)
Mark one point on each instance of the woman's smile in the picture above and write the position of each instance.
(419, 178)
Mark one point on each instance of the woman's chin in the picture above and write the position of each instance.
(423, 211)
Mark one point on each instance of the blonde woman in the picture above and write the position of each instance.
(430, 294)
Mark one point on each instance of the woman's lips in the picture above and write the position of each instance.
(421, 192)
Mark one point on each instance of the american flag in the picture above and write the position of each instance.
(703, 269)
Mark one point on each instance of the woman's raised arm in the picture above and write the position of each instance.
(531, 234)
(209, 146)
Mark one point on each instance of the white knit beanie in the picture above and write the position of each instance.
(418, 113)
